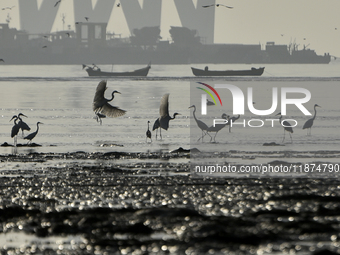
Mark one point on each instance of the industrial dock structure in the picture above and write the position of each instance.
(90, 43)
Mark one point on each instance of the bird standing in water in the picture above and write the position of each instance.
(148, 133)
(15, 129)
(164, 114)
(204, 127)
(31, 136)
(101, 106)
(23, 126)
(231, 121)
(286, 127)
(218, 127)
(309, 123)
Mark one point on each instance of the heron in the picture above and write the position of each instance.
(32, 135)
(231, 121)
(101, 106)
(217, 127)
(217, 5)
(15, 129)
(148, 133)
(309, 123)
(204, 127)
(164, 114)
(286, 127)
(23, 126)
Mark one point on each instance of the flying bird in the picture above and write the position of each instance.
(87, 18)
(309, 123)
(148, 133)
(57, 3)
(217, 5)
(44, 46)
(2, 60)
(31, 136)
(164, 114)
(101, 106)
(204, 127)
(9, 8)
(286, 127)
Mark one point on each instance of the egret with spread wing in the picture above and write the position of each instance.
(101, 106)
(164, 114)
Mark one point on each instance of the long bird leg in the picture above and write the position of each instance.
(201, 137)
(284, 133)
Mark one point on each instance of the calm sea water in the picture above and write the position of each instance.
(61, 97)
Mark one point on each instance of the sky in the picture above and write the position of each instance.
(311, 23)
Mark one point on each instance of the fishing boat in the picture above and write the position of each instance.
(96, 71)
(206, 72)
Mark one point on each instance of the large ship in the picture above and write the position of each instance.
(96, 46)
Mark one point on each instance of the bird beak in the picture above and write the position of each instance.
(11, 119)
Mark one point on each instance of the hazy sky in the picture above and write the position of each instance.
(306, 22)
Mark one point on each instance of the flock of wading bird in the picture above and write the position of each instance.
(23, 126)
(103, 109)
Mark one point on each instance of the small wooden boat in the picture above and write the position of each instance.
(96, 71)
(251, 72)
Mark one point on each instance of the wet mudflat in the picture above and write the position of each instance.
(97, 203)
